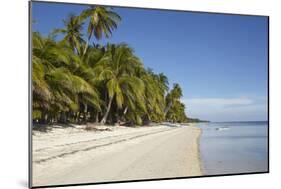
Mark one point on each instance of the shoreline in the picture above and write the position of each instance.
(72, 154)
(234, 147)
(200, 160)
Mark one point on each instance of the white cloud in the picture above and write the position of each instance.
(226, 109)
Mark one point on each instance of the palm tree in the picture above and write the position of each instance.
(177, 112)
(74, 81)
(69, 90)
(56, 85)
(45, 54)
(154, 96)
(40, 88)
(163, 81)
(118, 74)
(174, 95)
(102, 21)
(72, 32)
(90, 72)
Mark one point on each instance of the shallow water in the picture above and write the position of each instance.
(234, 147)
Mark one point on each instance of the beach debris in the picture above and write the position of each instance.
(96, 128)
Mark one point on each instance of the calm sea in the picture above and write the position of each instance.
(234, 147)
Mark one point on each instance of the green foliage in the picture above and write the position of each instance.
(72, 32)
(102, 20)
(177, 113)
(73, 81)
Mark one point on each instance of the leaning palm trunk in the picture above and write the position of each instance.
(103, 121)
(87, 44)
(125, 111)
(168, 108)
(86, 47)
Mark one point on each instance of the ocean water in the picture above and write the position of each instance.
(234, 147)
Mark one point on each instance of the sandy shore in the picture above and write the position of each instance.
(73, 155)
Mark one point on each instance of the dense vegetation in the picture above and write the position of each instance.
(76, 81)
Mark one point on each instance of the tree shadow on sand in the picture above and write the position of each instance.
(47, 128)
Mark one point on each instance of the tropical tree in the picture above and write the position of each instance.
(45, 56)
(154, 95)
(90, 71)
(72, 32)
(171, 97)
(73, 81)
(102, 21)
(56, 87)
(118, 76)
(177, 112)
(163, 83)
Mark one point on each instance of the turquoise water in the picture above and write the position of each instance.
(234, 147)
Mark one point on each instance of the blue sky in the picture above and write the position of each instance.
(219, 60)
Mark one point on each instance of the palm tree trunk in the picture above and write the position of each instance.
(85, 112)
(77, 117)
(107, 111)
(63, 117)
(74, 48)
(97, 117)
(125, 111)
(45, 117)
(87, 44)
(168, 108)
(86, 47)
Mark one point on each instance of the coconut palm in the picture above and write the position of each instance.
(44, 53)
(174, 95)
(74, 81)
(69, 90)
(56, 86)
(154, 96)
(118, 74)
(163, 82)
(72, 32)
(102, 21)
(87, 69)
(177, 112)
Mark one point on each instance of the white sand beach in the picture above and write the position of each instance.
(73, 155)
